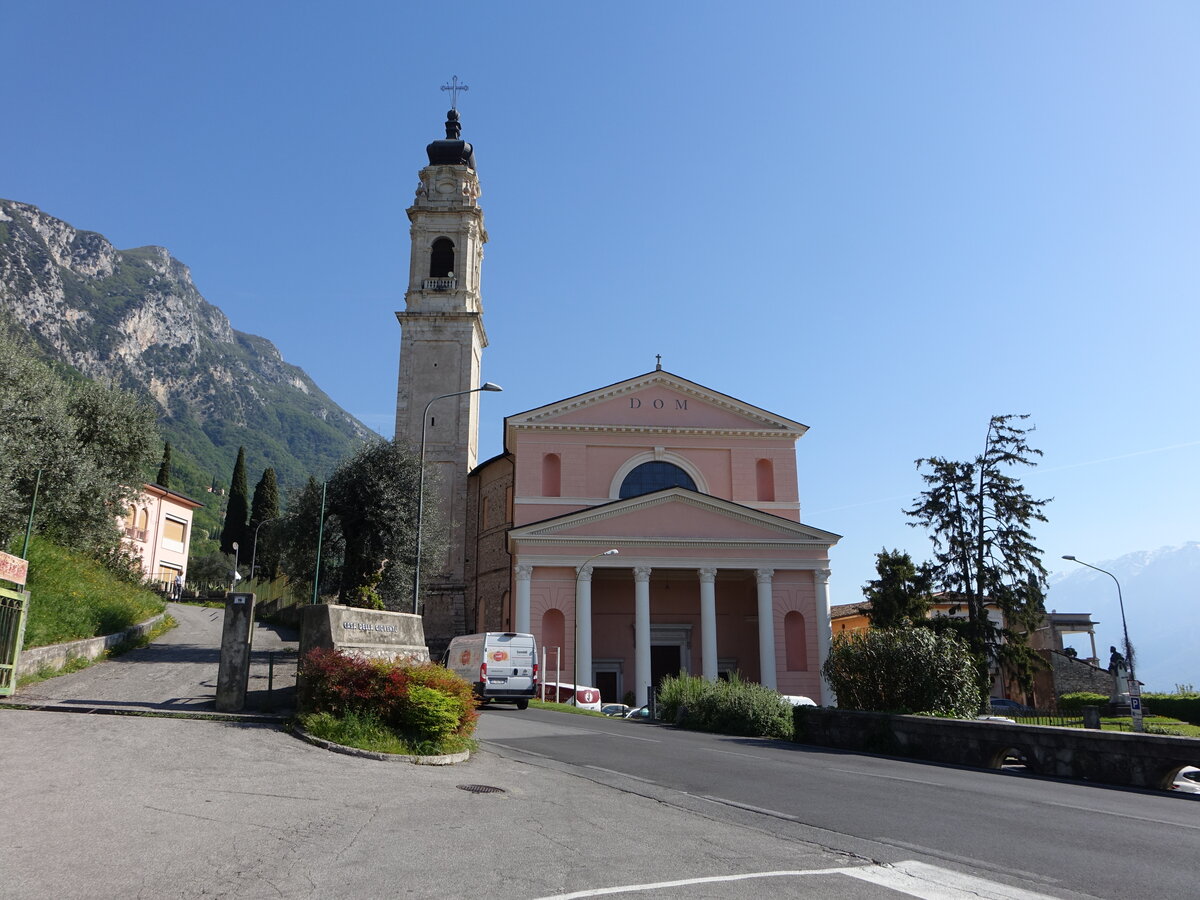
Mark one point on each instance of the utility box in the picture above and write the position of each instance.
(233, 675)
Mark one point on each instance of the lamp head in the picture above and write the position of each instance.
(610, 552)
(489, 386)
(1070, 558)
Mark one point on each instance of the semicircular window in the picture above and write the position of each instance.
(654, 476)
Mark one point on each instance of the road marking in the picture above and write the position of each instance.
(1119, 815)
(968, 861)
(889, 777)
(913, 878)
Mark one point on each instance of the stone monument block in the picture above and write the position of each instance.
(367, 633)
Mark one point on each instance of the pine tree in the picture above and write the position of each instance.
(238, 509)
(900, 596)
(979, 518)
(164, 469)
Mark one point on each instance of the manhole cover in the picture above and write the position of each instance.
(480, 789)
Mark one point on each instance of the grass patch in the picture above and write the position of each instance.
(565, 707)
(73, 597)
(364, 731)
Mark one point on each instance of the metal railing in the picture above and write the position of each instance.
(440, 284)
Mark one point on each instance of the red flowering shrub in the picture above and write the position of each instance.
(421, 701)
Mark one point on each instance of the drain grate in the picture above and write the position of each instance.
(480, 789)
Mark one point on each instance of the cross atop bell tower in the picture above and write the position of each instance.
(441, 351)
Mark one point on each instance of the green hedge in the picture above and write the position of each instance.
(1078, 700)
(725, 707)
(1177, 706)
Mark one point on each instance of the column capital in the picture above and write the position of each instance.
(641, 574)
(524, 571)
(707, 575)
(764, 576)
(821, 575)
(584, 573)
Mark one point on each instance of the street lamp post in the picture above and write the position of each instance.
(486, 386)
(575, 653)
(1133, 682)
(254, 551)
(236, 576)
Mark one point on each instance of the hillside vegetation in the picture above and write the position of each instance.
(73, 597)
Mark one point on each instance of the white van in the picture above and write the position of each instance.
(501, 665)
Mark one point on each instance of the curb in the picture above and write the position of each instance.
(448, 759)
(198, 715)
(55, 656)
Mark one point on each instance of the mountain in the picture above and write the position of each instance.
(1159, 588)
(133, 318)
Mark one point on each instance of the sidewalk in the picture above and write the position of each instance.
(177, 673)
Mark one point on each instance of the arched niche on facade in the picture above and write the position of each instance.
(795, 638)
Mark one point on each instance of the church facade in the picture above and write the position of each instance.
(644, 528)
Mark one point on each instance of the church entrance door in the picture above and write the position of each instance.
(665, 659)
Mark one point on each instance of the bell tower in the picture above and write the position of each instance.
(441, 349)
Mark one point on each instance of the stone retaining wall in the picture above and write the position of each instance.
(55, 656)
(1111, 757)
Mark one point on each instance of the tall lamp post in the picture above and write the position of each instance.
(575, 652)
(236, 576)
(1133, 682)
(486, 386)
(254, 551)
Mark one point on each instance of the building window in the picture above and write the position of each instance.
(441, 259)
(174, 533)
(655, 476)
(764, 470)
(796, 640)
(551, 475)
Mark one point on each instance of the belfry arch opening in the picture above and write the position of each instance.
(441, 258)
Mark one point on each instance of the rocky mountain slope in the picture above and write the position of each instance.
(134, 318)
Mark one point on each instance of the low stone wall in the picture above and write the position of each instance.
(55, 656)
(1110, 757)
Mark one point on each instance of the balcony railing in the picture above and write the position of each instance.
(138, 534)
(440, 284)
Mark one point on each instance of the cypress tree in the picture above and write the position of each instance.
(265, 508)
(238, 509)
(164, 470)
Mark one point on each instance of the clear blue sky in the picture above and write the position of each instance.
(888, 221)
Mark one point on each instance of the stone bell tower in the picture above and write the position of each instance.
(441, 349)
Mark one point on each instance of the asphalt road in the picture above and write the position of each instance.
(1046, 836)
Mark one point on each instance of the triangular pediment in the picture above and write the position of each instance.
(658, 401)
(674, 515)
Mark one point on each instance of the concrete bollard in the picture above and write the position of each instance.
(233, 674)
(1091, 717)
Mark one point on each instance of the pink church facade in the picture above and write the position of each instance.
(698, 494)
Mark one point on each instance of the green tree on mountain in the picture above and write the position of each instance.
(164, 469)
(237, 512)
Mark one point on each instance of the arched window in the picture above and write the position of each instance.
(554, 635)
(143, 519)
(551, 475)
(441, 258)
(764, 470)
(654, 476)
(796, 640)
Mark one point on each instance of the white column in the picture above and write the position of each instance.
(641, 635)
(521, 613)
(708, 624)
(582, 671)
(766, 628)
(824, 634)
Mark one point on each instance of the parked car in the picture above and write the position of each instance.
(642, 712)
(798, 700)
(1187, 780)
(1004, 705)
(615, 709)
